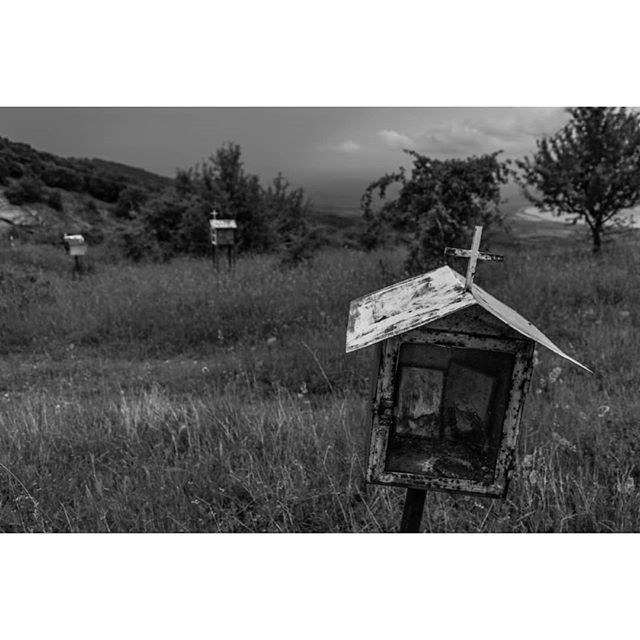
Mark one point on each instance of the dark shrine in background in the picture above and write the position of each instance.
(223, 237)
(451, 371)
(75, 246)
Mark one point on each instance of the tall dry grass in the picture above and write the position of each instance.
(160, 398)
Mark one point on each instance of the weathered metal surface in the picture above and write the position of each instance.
(223, 237)
(223, 232)
(469, 447)
(78, 250)
(223, 224)
(475, 320)
(474, 254)
(519, 323)
(412, 512)
(74, 240)
(452, 369)
(473, 258)
(425, 299)
(75, 244)
(216, 251)
(405, 306)
(464, 253)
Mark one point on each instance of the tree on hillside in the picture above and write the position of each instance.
(590, 168)
(288, 212)
(129, 202)
(269, 218)
(177, 219)
(236, 194)
(437, 206)
(162, 216)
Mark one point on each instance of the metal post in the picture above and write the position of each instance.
(412, 513)
(473, 257)
(214, 257)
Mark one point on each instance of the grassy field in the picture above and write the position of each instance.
(159, 398)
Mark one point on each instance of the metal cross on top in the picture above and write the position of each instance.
(474, 255)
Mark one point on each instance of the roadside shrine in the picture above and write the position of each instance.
(75, 246)
(451, 371)
(223, 237)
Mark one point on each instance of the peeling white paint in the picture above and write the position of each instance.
(74, 240)
(223, 224)
(418, 301)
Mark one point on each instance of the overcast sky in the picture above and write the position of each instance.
(324, 150)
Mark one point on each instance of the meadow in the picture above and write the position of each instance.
(169, 398)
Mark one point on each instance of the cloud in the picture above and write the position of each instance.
(513, 131)
(395, 140)
(348, 146)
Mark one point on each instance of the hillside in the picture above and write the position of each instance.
(45, 194)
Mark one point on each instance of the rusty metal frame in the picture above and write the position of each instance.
(381, 411)
(216, 243)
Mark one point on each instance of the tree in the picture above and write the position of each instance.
(590, 168)
(54, 200)
(438, 206)
(129, 202)
(288, 211)
(222, 183)
(54, 175)
(162, 216)
(177, 219)
(238, 195)
(24, 191)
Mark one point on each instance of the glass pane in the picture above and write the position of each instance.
(449, 411)
(419, 402)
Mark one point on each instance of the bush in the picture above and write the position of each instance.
(54, 200)
(438, 206)
(62, 178)
(129, 202)
(134, 242)
(24, 191)
(300, 249)
(101, 187)
(15, 169)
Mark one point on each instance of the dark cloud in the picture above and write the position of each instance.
(310, 146)
(513, 131)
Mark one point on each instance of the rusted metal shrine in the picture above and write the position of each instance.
(75, 246)
(223, 237)
(451, 371)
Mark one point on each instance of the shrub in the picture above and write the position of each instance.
(62, 178)
(15, 169)
(134, 242)
(24, 191)
(101, 187)
(54, 200)
(129, 201)
(438, 206)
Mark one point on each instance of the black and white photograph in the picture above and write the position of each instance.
(309, 307)
(197, 303)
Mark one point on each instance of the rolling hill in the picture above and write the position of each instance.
(47, 194)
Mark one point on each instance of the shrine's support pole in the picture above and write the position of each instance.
(76, 270)
(413, 508)
(214, 256)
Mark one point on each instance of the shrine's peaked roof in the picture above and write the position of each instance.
(74, 239)
(217, 223)
(416, 302)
